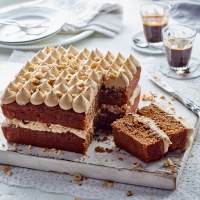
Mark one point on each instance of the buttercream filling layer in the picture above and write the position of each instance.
(54, 128)
(157, 131)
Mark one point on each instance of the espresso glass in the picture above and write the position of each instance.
(178, 42)
(155, 17)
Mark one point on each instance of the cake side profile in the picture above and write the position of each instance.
(140, 137)
(178, 133)
(62, 88)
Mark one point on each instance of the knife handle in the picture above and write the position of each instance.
(188, 103)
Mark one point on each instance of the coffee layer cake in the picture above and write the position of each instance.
(151, 133)
(57, 98)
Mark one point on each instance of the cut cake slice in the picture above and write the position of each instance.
(178, 131)
(140, 137)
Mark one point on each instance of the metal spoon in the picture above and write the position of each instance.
(143, 44)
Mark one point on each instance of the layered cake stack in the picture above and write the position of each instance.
(151, 133)
(61, 95)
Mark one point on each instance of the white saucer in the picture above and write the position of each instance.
(148, 50)
(52, 21)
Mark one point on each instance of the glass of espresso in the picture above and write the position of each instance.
(178, 41)
(155, 17)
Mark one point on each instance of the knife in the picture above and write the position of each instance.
(184, 100)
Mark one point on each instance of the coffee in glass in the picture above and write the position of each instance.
(178, 41)
(155, 17)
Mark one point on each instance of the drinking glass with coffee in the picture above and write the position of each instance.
(178, 41)
(155, 17)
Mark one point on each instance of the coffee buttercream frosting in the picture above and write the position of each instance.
(69, 78)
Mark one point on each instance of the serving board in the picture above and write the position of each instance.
(114, 164)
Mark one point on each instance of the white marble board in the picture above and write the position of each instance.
(115, 166)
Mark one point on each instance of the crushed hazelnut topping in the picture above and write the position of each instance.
(78, 177)
(120, 158)
(19, 86)
(148, 97)
(104, 184)
(14, 146)
(169, 163)
(9, 173)
(136, 164)
(172, 98)
(172, 109)
(162, 97)
(94, 65)
(60, 152)
(103, 150)
(111, 183)
(112, 76)
(129, 193)
(5, 168)
(29, 147)
(35, 81)
(77, 198)
(59, 94)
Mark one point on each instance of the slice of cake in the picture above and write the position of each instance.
(55, 98)
(140, 137)
(178, 132)
(108, 113)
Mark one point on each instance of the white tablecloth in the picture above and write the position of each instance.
(92, 189)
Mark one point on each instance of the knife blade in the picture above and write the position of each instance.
(184, 100)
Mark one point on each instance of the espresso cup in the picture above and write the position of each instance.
(155, 17)
(178, 42)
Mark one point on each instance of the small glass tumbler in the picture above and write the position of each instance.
(178, 42)
(155, 17)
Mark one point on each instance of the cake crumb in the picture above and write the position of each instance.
(78, 177)
(104, 184)
(111, 183)
(104, 138)
(103, 150)
(9, 173)
(172, 109)
(29, 147)
(136, 164)
(129, 193)
(192, 155)
(120, 158)
(77, 198)
(148, 97)
(155, 77)
(162, 97)
(5, 168)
